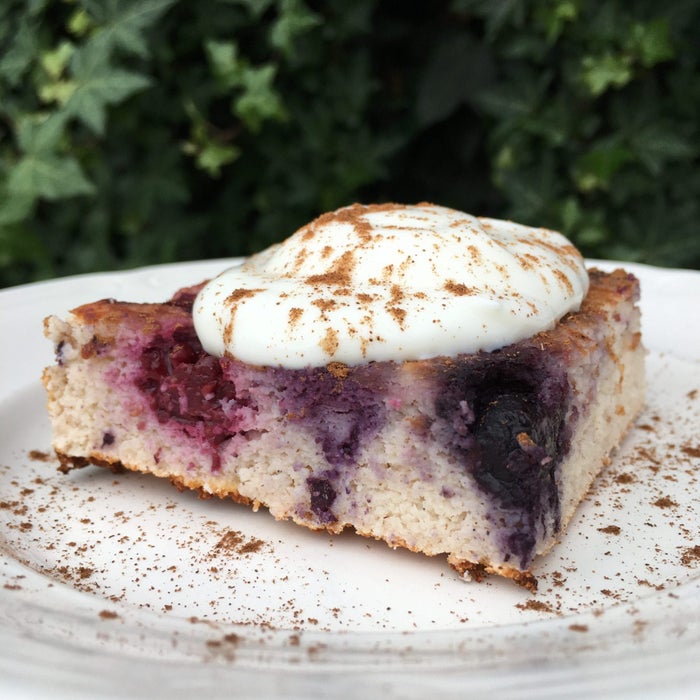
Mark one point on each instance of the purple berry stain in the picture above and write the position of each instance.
(321, 496)
(504, 417)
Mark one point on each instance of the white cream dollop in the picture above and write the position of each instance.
(390, 282)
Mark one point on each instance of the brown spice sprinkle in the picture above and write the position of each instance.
(234, 542)
(352, 215)
(40, 456)
(329, 343)
(108, 615)
(665, 502)
(458, 289)
(610, 530)
(338, 369)
(295, 314)
(691, 555)
(324, 305)
(578, 628)
(564, 280)
(240, 294)
(537, 605)
(339, 274)
(398, 314)
(691, 451)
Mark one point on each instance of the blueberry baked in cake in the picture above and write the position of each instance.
(442, 382)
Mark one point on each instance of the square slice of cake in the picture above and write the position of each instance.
(481, 456)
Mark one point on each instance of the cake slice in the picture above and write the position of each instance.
(481, 457)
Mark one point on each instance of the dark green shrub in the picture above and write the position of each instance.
(140, 131)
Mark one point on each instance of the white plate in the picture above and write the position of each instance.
(120, 586)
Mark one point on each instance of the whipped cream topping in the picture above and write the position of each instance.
(390, 282)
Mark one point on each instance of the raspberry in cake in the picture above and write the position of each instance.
(447, 384)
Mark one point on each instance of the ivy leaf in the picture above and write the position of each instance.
(602, 72)
(122, 23)
(22, 51)
(47, 175)
(52, 87)
(99, 85)
(259, 100)
(225, 63)
(657, 143)
(554, 16)
(37, 133)
(15, 208)
(54, 62)
(651, 42)
(596, 168)
(210, 154)
(79, 23)
(40, 171)
(295, 19)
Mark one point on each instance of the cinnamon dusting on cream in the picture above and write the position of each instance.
(391, 282)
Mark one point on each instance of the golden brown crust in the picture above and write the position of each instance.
(107, 315)
(68, 463)
(478, 572)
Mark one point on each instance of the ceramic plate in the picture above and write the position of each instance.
(120, 586)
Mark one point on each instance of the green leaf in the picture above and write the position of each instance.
(554, 15)
(651, 42)
(259, 100)
(596, 168)
(122, 23)
(213, 156)
(22, 51)
(599, 73)
(79, 24)
(225, 63)
(59, 92)
(210, 154)
(295, 19)
(54, 62)
(49, 176)
(39, 133)
(98, 86)
(656, 144)
(15, 208)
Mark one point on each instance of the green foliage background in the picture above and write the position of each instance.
(140, 131)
